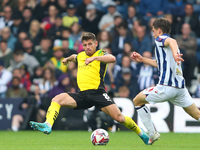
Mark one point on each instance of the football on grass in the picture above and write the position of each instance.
(100, 137)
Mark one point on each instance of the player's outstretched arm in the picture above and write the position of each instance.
(65, 61)
(106, 59)
(136, 56)
(174, 47)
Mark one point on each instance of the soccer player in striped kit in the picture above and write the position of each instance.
(171, 85)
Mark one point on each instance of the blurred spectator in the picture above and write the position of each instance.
(55, 31)
(133, 16)
(34, 111)
(5, 54)
(16, 24)
(76, 35)
(91, 19)
(148, 75)
(21, 37)
(5, 78)
(136, 24)
(150, 32)
(118, 42)
(66, 33)
(127, 49)
(65, 46)
(191, 18)
(45, 52)
(174, 27)
(71, 66)
(82, 8)
(104, 39)
(35, 33)
(41, 9)
(58, 56)
(71, 17)
(124, 92)
(6, 20)
(49, 81)
(28, 46)
(107, 20)
(153, 8)
(27, 16)
(176, 8)
(24, 82)
(125, 78)
(24, 72)
(196, 7)
(7, 36)
(63, 83)
(61, 6)
(15, 91)
(57, 72)
(4, 3)
(32, 4)
(49, 21)
(136, 4)
(73, 79)
(21, 4)
(188, 46)
(21, 58)
(36, 79)
(114, 31)
(142, 42)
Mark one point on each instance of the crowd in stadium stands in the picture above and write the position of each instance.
(35, 35)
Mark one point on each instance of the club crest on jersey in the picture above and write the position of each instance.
(178, 72)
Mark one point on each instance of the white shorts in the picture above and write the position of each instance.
(162, 93)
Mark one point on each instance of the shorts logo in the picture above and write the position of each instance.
(106, 96)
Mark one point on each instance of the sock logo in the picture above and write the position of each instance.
(133, 128)
(55, 115)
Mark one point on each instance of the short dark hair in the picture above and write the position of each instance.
(18, 52)
(163, 24)
(87, 36)
(123, 24)
(16, 78)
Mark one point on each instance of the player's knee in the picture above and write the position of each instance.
(136, 102)
(58, 99)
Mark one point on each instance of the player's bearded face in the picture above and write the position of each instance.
(89, 46)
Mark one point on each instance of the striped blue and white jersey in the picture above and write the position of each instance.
(170, 73)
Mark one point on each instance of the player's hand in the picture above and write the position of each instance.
(178, 58)
(65, 61)
(136, 56)
(89, 60)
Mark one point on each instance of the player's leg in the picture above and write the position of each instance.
(16, 120)
(116, 114)
(144, 113)
(184, 100)
(193, 111)
(62, 99)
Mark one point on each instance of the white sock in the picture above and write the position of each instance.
(198, 120)
(145, 116)
(14, 128)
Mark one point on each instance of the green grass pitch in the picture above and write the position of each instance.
(80, 140)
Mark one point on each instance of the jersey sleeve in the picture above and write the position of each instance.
(102, 52)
